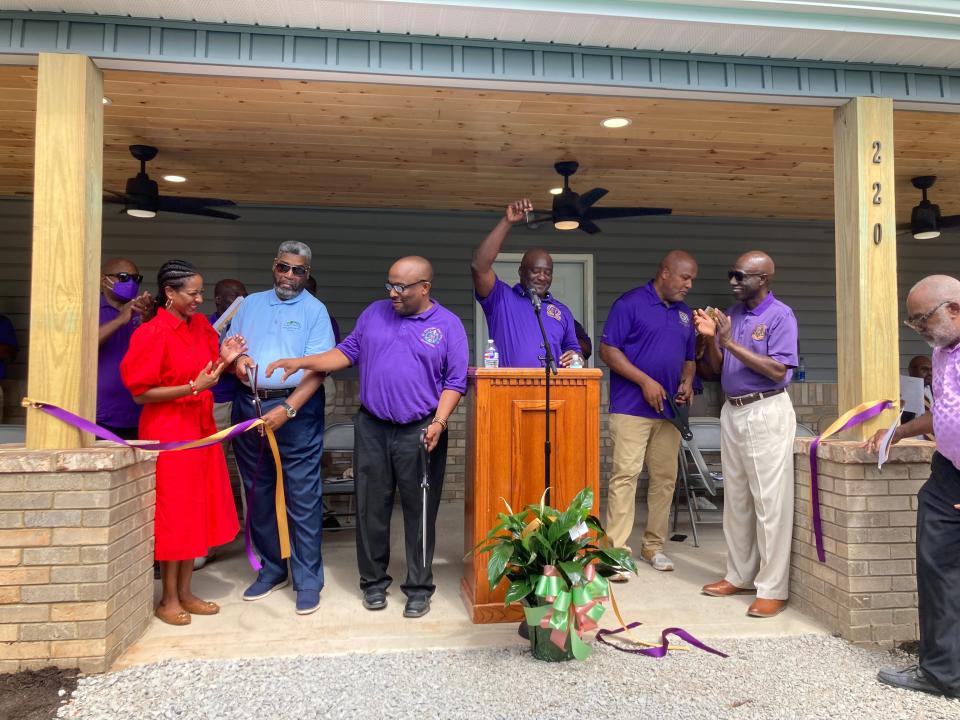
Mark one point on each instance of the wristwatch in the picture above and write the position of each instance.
(289, 409)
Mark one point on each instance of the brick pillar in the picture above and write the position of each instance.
(76, 555)
(867, 589)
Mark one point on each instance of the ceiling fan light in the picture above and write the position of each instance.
(556, 191)
(566, 224)
(141, 213)
(926, 235)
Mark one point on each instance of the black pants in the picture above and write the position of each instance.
(938, 575)
(386, 458)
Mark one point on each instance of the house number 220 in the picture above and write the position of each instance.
(877, 199)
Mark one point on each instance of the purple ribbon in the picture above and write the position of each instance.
(850, 422)
(151, 445)
(656, 652)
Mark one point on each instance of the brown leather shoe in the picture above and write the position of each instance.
(722, 588)
(764, 608)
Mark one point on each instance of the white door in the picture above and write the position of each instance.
(572, 285)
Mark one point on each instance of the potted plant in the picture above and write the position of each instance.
(554, 564)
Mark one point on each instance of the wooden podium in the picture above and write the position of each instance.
(505, 433)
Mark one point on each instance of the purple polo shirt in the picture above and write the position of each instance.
(769, 329)
(946, 389)
(227, 386)
(407, 361)
(513, 326)
(657, 337)
(115, 405)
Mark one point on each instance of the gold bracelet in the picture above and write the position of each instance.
(443, 423)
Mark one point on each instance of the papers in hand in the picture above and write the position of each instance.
(883, 453)
(221, 323)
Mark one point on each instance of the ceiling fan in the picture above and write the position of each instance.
(143, 199)
(573, 211)
(926, 222)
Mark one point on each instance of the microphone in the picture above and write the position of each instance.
(534, 298)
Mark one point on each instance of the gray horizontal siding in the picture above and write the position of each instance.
(354, 248)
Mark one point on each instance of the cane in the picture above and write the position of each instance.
(424, 487)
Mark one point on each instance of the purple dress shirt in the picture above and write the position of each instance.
(7, 337)
(115, 405)
(406, 362)
(657, 338)
(946, 410)
(513, 326)
(769, 329)
(228, 384)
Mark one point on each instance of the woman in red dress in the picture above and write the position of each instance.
(171, 364)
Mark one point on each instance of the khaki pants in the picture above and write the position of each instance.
(756, 452)
(635, 440)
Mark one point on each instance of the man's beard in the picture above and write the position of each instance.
(286, 293)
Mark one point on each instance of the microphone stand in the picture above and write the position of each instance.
(549, 367)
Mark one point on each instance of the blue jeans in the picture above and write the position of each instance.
(301, 443)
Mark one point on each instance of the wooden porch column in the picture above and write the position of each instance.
(67, 210)
(868, 356)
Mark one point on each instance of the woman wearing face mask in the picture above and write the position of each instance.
(173, 361)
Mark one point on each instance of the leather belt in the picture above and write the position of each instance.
(742, 400)
(268, 394)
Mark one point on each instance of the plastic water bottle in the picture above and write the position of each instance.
(491, 356)
(577, 361)
(801, 374)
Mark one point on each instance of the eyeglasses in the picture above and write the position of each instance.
(123, 277)
(398, 288)
(298, 270)
(918, 323)
(739, 275)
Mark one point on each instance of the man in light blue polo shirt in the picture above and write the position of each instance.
(277, 323)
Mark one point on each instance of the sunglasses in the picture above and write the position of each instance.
(739, 275)
(398, 288)
(918, 323)
(124, 277)
(298, 270)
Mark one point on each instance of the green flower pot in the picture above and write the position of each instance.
(540, 644)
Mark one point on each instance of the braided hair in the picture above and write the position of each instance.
(172, 274)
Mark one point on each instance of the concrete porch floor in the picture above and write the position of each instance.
(270, 628)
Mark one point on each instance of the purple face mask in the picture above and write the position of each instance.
(126, 290)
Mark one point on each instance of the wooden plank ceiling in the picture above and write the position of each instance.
(289, 142)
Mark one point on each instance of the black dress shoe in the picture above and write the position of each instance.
(375, 599)
(911, 678)
(416, 607)
(524, 630)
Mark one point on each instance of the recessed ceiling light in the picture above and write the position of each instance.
(139, 213)
(107, 101)
(615, 122)
(556, 191)
(174, 178)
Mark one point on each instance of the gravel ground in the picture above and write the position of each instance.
(805, 677)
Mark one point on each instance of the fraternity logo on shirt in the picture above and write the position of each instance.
(684, 318)
(292, 325)
(432, 336)
(759, 332)
(554, 312)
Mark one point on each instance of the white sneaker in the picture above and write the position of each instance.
(620, 577)
(660, 562)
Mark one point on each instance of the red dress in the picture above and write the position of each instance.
(195, 509)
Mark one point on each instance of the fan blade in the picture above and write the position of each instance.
(621, 212)
(208, 212)
(591, 196)
(117, 197)
(174, 200)
(950, 221)
(588, 227)
(537, 219)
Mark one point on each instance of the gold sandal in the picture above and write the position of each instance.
(178, 618)
(201, 607)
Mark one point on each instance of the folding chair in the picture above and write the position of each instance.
(695, 475)
(338, 438)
